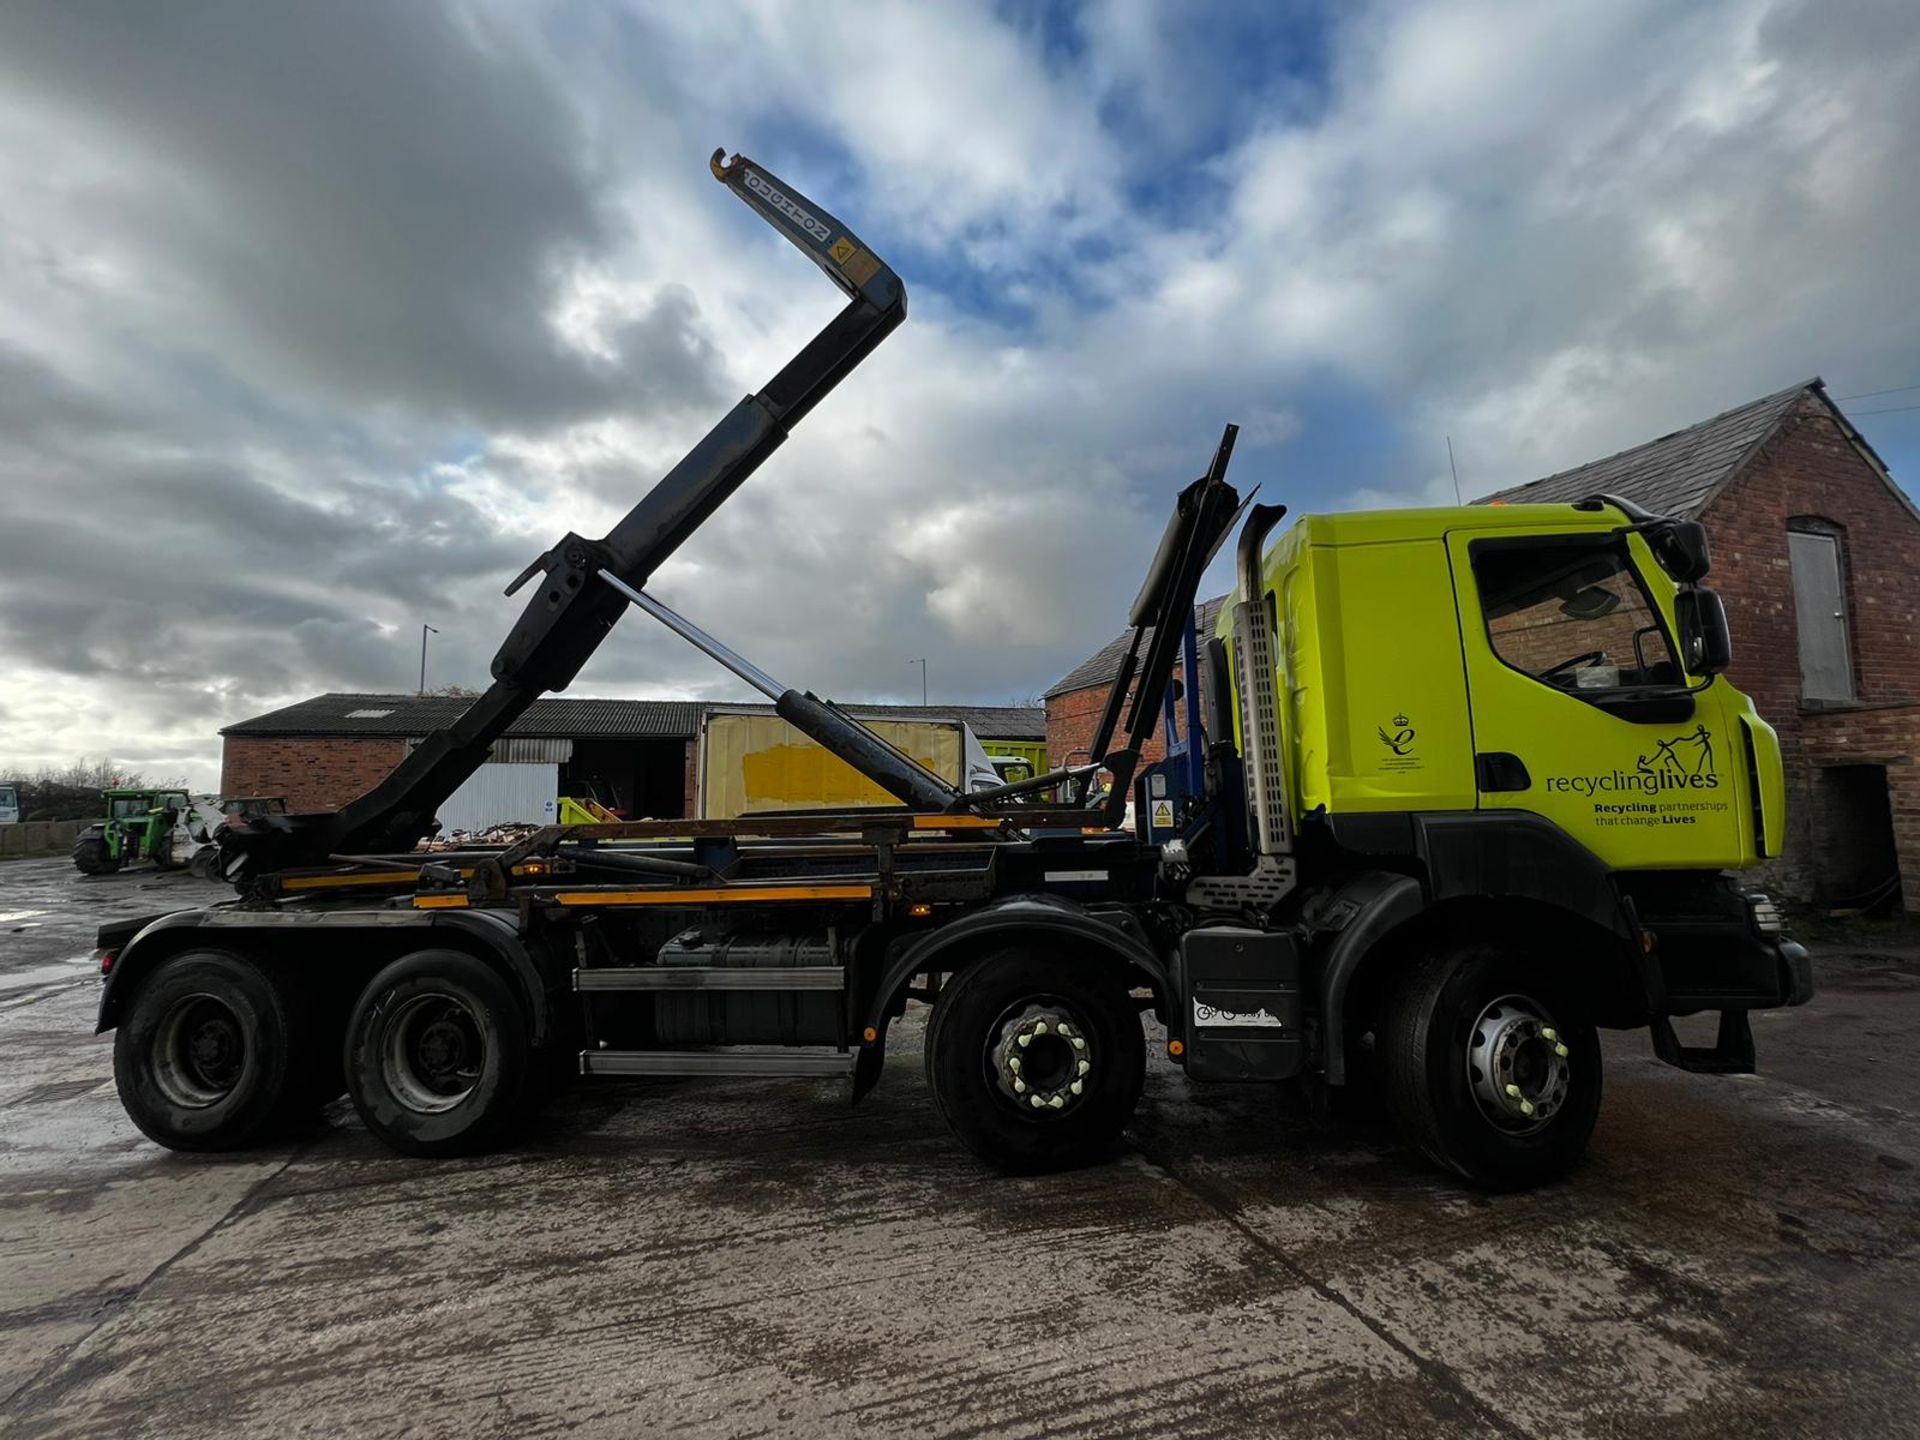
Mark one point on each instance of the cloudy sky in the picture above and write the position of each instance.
(318, 321)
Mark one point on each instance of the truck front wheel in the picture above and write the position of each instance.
(206, 1057)
(1490, 1066)
(436, 1054)
(1036, 1059)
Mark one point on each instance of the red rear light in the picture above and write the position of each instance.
(106, 958)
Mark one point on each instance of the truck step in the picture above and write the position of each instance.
(812, 1060)
(1730, 1054)
(712, 977)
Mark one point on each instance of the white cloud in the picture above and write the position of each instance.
(363, 346)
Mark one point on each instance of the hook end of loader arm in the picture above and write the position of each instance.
(817, 234)
(566, 617)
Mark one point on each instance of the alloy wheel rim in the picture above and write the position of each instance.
(199, 1051)
(432, 1052)
(1041, 1059)
(1517, 1065)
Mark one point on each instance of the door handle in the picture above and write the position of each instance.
(1499, 770)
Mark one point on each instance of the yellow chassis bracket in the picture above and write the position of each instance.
(715, 895)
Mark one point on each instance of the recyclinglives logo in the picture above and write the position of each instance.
(1682, 763)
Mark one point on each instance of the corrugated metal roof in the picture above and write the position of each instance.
(417, 715)
(1677, 474)
(525, 749)
(1100, 667)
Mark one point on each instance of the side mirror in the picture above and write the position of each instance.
(1706, 644)
(1681, 548)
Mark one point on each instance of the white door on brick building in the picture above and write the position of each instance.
(1820, 615)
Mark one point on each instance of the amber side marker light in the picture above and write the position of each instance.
(920, 910)
(1176, 1049)
(869, 1034)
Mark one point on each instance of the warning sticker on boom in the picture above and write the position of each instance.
(1162, 815)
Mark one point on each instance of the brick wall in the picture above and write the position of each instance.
(313, 773)
(1809, 469)
(1072, 719)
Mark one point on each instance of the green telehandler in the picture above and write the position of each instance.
(162, 826)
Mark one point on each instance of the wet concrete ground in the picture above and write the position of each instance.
(1738, 1257)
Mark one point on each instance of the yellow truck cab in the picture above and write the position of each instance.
(1517, 659)
(1503, 789)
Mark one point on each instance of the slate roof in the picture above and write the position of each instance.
(1678, 474)
(416, 715)
(1100, 667)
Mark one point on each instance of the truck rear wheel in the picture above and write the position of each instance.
(206, 1058)
(436, 1054)
(1036, 1059)
(1490, 1067)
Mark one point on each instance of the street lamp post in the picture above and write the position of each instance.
(923, 681)
(425, 630)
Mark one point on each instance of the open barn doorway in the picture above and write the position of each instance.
(1857, 864)
(640, 778)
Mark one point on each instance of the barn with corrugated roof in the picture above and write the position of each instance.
(639, 757)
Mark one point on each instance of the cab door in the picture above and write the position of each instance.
(1580, 712)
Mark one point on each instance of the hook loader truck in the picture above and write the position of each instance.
(1452, 791)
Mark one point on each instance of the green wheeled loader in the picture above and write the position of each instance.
(163, 827)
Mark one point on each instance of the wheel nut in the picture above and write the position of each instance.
(1040, 1028)
(1036, 1102)
(1077, 1086)
(1546, 1033)
(1056, 1102)
(1085, 1067)
(1025, 1040)
(1013, 1063)
(1526, 1107)
(1019, 1087)
(1078, 1043)
(1561, 1051)
(1514, 1091)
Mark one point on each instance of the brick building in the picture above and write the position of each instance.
(1075, 702)
(1816, 553)
(321, 753)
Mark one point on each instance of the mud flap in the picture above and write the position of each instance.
(1237, 1005)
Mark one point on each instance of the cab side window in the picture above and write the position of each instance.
(1572, 614)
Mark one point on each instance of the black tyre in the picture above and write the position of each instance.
(1036, 1058)
(206, 1057)
(1490, 1067)
(436, 1054)
(90, 856)
(205, 864)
